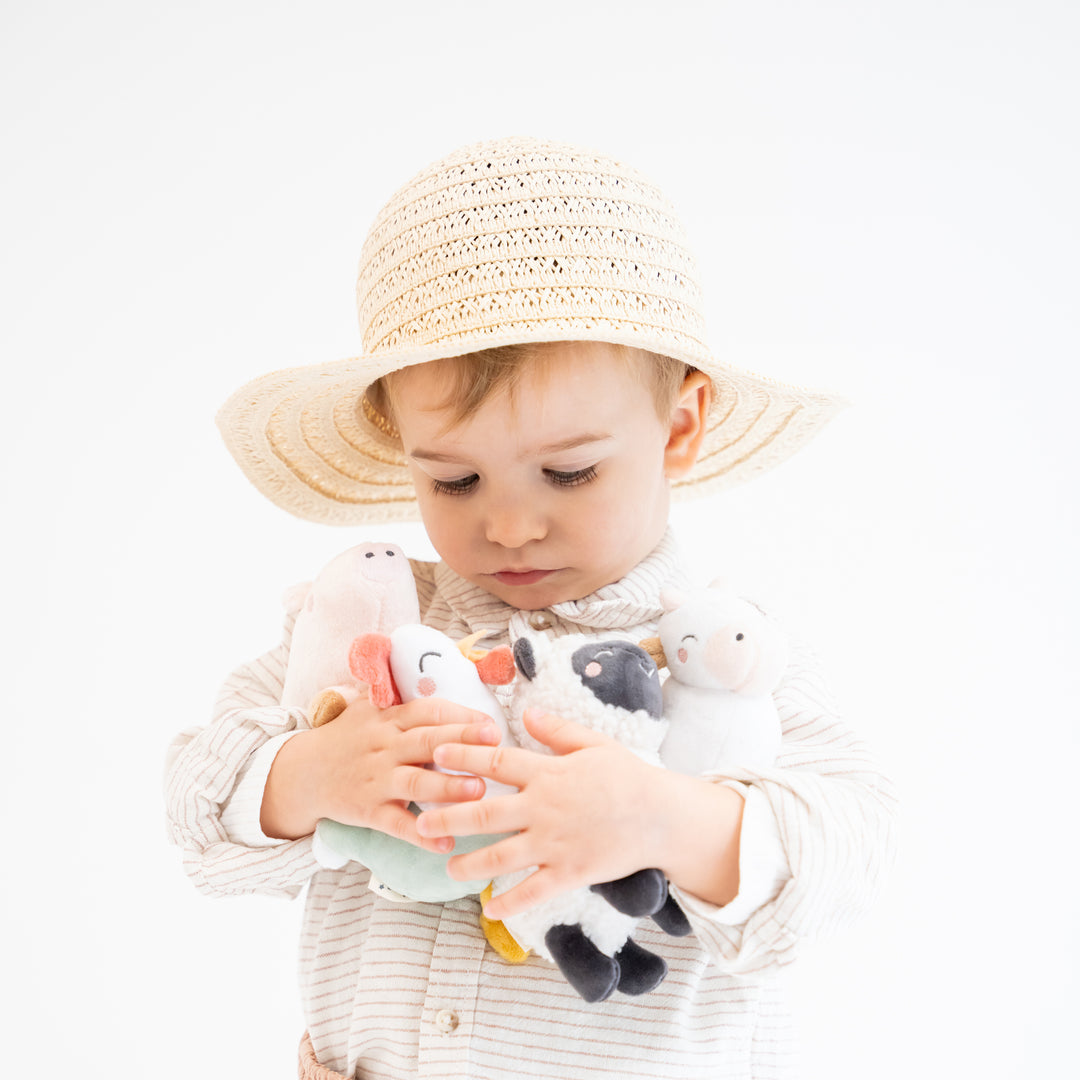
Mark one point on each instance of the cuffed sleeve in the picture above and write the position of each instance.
(207, 767)
(833, 815)
(241, 815)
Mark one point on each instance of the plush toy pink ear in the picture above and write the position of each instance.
(497, 667)
(292, 599)
(369, 661)
(670, 598)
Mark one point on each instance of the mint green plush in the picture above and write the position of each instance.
(401, 866)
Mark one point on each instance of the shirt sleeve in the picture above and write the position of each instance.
(832, 814)
(224, 851)
(242, 814)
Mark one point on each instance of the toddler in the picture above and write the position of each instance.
(535, 385)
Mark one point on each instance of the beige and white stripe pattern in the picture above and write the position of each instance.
(396, 991)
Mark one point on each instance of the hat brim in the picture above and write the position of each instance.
(302, 438)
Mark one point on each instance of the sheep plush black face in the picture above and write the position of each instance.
(620, 674)
(615, 672)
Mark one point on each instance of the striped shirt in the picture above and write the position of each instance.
(393, 990)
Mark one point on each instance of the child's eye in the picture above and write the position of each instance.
(461, 486)
(571, 479)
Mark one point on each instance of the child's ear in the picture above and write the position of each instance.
(687, 425)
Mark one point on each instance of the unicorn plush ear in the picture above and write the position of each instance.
(670, 598)
(369, 661)
(467, 646)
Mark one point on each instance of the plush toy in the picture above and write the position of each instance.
(725, 658)
(358, 623)
(417, 661)
(367, 588)
(611, 686)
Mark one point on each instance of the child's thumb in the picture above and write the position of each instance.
(559, 734)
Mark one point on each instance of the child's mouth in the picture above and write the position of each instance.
(521, 577)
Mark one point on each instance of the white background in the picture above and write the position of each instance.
(883, 200)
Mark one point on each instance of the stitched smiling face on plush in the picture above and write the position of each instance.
(610, 686)
(725, 657)
(715, 639)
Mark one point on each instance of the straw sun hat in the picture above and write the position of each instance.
(505, 242)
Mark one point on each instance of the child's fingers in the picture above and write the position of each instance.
(477, 818)
(411, 784)
(420, 744)
(535, 889)
(503, 857)
(400, 823)
(485, 734)
(559, 734)
(512, 765)
(427, 712)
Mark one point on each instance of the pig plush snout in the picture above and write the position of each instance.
(382, 562)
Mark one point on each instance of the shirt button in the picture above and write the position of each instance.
(446, 1020)
(540, 620)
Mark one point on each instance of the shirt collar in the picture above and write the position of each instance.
(623, 605)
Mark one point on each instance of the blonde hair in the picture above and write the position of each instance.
(474, 378)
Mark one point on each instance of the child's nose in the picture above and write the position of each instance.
(512, 521)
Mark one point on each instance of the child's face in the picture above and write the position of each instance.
(546, 496)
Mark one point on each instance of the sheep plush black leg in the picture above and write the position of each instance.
(592, 974)
(639, 894)
(639, 970)
(671, 919)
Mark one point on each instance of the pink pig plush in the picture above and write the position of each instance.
(370, 587)
(725, 658)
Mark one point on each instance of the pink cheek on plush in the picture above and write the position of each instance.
(426, 687)
(683, 655)
(592, 670)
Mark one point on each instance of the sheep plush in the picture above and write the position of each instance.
(611, 686)
(416, 661)
(725, 658)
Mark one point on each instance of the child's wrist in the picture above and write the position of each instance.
(699, 824)
(289, 809)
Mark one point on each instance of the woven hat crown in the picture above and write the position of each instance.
(526, 240)
(507, 242)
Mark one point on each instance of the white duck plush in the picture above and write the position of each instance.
(411, 662)
(725, 657)
(610, 686)
(416, 661)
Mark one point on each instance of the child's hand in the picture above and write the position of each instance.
(366, 766)
(591, 812)
(585, 814)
